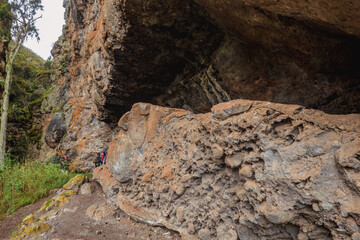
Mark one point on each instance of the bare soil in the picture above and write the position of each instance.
(9, 223)
(71, 222)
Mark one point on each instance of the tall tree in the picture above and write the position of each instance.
(23, 18)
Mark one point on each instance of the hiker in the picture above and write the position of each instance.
(104, 155)
(97, 160)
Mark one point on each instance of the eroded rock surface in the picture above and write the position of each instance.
(248, 169)
(195, 54)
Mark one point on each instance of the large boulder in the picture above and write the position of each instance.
(248, 169)
(55, 130)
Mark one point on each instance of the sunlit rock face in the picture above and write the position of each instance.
(193, 55)
(245, 170)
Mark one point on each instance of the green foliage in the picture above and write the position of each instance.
(18, 152)
(6, 18)
(24, 184)
(23, 24)
(31, 85)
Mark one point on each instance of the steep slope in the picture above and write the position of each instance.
(30, 83)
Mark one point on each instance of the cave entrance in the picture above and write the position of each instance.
(182, 58)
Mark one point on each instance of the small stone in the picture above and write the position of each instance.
(87, 189)
(276, 213)
(302, 236)
(180, 213)
(251, 186)
(98, 232)
(191, 228)
(91, 210)
(225, 110)
(204, 234)
(185, 178)
(214, 214)
(246, 171)
(180, 190)
(167, 174)
(164, 188)
(280, 216)
(241, 194)
(147, 177)
(148, 199)
(226, 232)
(316, 207)
(327, 206)
(208, 199)
(235, 199)
(234, 161)
(217, 151)
(344, 213)
(165, 213)
(156, 195)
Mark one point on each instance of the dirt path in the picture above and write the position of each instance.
(72, 222)
(9, 223)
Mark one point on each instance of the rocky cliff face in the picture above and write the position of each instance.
(194, 55)
(248, 170)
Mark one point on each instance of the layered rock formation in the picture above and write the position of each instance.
(248, 170)
(193, 55)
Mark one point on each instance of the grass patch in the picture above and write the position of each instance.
(24, 184)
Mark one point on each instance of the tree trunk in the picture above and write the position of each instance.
(5, 106)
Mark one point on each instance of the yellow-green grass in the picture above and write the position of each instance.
(26, 183)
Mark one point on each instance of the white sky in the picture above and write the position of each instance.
(50, 28)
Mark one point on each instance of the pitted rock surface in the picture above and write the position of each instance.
(269, 171)
(196, 54)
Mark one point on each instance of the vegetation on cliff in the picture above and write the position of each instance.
(30, 85)
(22, 18)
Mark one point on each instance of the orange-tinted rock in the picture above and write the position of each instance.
(288, 165)
(194, 55)
(167, 174)
(147, 177)
(108, 183)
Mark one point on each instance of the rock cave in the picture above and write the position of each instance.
(280, 163)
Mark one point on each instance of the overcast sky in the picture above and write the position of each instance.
(50, 28)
